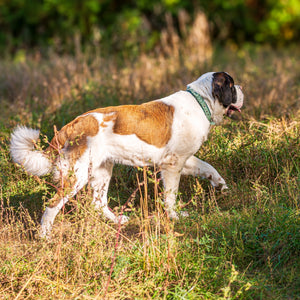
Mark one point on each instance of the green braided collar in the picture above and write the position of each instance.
(202, 103)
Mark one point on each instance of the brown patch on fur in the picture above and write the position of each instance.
(151, 122)
(110, 117)
(73, 136)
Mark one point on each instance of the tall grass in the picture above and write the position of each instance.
(243, 244)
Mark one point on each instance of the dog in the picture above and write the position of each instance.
(166, 133)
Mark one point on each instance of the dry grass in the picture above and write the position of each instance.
(240, 245)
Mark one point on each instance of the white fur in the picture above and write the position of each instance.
(22, 150)
(189, 130)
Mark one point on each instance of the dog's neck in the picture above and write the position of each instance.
(202, 103)
(203, 87)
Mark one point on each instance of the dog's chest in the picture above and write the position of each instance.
(190, 126)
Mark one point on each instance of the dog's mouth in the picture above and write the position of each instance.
(231, 109)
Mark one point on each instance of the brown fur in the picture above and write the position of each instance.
(73, 136)
(151, 122)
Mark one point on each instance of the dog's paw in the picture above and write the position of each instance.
(224, 188)
(184, 214)
(122, 219)
(43, 235)
(221, 185)
(216, 181)
(173, 215)
(45, 230)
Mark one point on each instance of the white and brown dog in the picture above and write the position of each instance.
(165, 133)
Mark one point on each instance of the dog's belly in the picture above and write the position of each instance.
(127, 150)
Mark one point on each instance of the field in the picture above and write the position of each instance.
(242, 244)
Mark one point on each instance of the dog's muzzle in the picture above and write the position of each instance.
(239, 103)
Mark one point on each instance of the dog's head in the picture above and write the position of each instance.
(228, 94)
(222, 95)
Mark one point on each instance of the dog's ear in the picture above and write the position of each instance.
(223, 88)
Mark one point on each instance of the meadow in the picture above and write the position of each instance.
(242, 244)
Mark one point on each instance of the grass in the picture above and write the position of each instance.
(244, 244)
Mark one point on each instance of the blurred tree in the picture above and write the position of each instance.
(282, 22)
(137, 25)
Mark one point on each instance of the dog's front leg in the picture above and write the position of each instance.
(196, 167)
(171, 178)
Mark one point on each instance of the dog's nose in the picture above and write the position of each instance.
(241, 87)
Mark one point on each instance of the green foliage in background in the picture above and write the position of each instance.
(128, 24)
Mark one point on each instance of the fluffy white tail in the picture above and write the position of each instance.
(23, 152)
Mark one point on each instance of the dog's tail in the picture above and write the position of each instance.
(23, 152)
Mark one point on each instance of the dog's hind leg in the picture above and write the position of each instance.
(196, 167)
(57, 202)
(100, 183)
(69, 188)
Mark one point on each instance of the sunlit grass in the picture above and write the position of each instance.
(243, 244)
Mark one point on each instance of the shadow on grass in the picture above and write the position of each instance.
(33, 202)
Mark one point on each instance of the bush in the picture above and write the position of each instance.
(136, 26)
